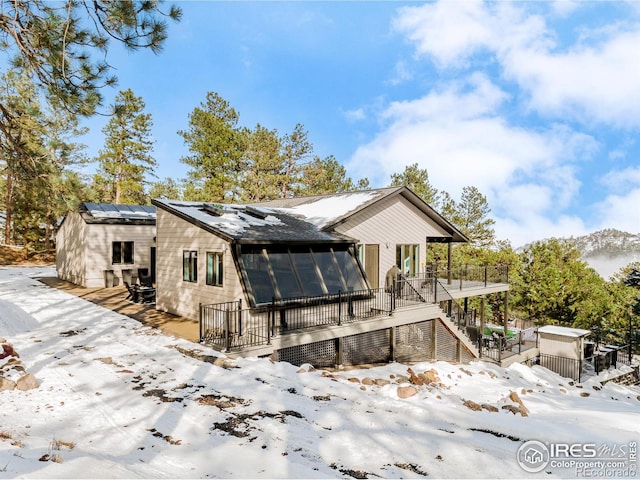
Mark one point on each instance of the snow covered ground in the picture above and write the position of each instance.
(120, 400)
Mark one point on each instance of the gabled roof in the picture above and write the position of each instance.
(296, 220)
(250, 224)
(117, 214)
(329, 211)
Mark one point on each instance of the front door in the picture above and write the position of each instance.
(372, 264)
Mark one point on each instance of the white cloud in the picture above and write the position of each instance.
(622, 179)
(459, 137)
(355, 115)
(620, 211)
(595, 79)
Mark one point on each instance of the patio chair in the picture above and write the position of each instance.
(144, 277)
(133, 293)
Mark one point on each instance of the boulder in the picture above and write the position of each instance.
(407, 391)
(6, 384)
(27, 382)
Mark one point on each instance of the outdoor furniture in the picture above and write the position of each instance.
(144, 277)
(146, 294)
(132, 292)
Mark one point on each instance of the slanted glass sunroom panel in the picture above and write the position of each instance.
(256, 267)
(330, 273)
(350, 270)
(307, 273)
(283, 272)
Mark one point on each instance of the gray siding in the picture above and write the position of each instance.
(70, 258)
(174, 295)
(98, 249)
(393, 221)
(83, 251)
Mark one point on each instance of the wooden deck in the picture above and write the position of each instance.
(114, 299)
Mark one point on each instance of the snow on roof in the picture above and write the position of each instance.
(234, 219)
(251, 222)
(325, 210)
(564, 331)
(125, 212)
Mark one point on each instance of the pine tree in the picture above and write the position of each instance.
(324, 175)
(126, 157)
(216, 149)
(53, 43)
(417, 179)
(296, 149)
(263, 165)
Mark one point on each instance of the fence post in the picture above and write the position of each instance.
(271, 319)
(393, 296)
(240, 317)
(520, 343)
(486, 274)
(339, 307)
(435, 289)
(200, 322)
(227, 321)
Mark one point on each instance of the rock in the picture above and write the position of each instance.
(562, 390)
(524, 411)
(407, 391)
(401, 379)
(413, 378)
(489, 408)
(27, 382)
(471, 405)
(431, 376)
(514, 409)
(354, 380)
(7, 351)
(6, 384)
(368, 381)
(3, 340)
(584, 394)
(382, 382)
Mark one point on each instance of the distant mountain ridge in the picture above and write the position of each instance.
(608, 243)
(609, 250)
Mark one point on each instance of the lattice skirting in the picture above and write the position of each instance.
(409, 343)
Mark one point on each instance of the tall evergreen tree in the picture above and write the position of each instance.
(216, 149)
(263, 165)
(126, 157)
(472, 218)
(417, 179)
(53, 43)
(324, 175)
(296, 149)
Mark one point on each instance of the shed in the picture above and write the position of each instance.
(562, 342)
(105, 244)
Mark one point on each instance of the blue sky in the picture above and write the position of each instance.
(537, 104)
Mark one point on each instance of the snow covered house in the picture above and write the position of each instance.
(303, 279)
(105, 245)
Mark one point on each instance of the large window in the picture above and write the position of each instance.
(122, 252)
(190, 266)
(214, 268)
(287, 272)
(407, 259)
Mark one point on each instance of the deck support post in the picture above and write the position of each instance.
(481, 332)
(434, 340)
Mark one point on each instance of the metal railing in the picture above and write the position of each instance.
(498, 346)
(229, 325)
(602, 360)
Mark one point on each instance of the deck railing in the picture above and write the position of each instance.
(230, 325)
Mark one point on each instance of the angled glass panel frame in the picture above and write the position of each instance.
(284, 273)
(350, 270)
(307, 272)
